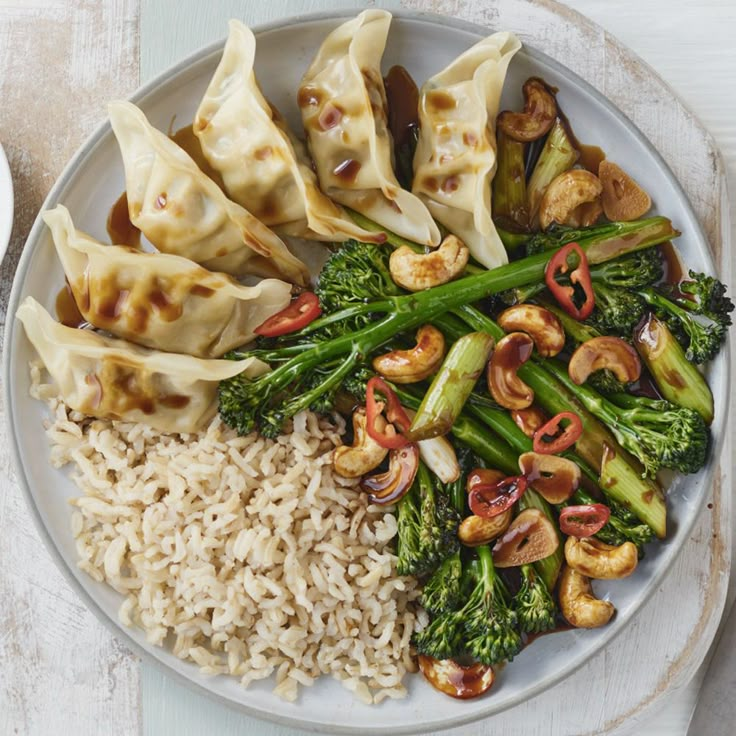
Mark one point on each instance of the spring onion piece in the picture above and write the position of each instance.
(678, 380)
(558, 155)
(451, 386)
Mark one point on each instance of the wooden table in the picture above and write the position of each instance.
(61, 60)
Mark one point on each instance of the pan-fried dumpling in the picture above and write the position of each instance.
(162, 301)
(343, 105)
(182, 211)
(455, 158)
(262, 165)
(112, 379)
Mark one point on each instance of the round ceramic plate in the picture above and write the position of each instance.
(92, 182)
(6, 203)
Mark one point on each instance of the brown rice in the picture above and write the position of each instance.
(248, 553)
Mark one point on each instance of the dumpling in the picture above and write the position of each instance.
(343, 105)
(455, 158)
(162, 301)
(264, 168)
(112, 379)
(182, 211)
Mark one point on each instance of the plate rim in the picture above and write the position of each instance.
(6, 187)
(88, 147)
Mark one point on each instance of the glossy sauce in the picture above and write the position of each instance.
(590, 156)
(402, 96)
(555, 478)
(67, 311)
(119, 227)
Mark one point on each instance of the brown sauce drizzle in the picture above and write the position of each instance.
(119, 227)
(67, 311)
(403, 103)
(590, 156)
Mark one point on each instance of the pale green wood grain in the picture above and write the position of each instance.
(169, 31)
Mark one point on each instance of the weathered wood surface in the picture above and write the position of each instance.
(60, 668)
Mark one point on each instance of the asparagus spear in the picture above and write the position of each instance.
(509, 200)
(451, 386)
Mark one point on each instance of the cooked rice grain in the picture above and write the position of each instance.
(249, 552)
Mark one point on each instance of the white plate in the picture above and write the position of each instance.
(92, 182)
(6, 204)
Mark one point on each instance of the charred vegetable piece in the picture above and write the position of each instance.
(540, 113)
(509, 199)
(678, 380)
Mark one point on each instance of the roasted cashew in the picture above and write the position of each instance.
(475, 530)
(555, 478)
(529, 420)
(565, 193)
(578, 604)
(540, 112)
(600, 561)
(602, 352)
(418, 271)
(622, 198)
(586, 214)
(543, 327)
(511, 352)
(365, 454)
(417, 363)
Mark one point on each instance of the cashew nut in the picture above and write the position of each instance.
(586, 214)
(553, 477)
(543, 327)
(578, 604)
(475, 530)
(623, 199)
(365, 454)
(540, 112)
(566, 192)
(438, 455)
(529, 420)
(601, 561)
(602, 352)
(418, 271)
(416, 364)
(511, 352)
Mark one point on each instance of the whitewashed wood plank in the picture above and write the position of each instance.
(612, 675)
(61, 670)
